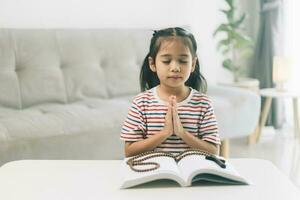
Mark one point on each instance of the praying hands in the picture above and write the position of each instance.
(172, 120)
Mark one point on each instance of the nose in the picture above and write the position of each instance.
(175, 67)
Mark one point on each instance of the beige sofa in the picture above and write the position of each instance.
(65, 93)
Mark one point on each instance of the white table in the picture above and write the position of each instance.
(95, 180)
(268, 94)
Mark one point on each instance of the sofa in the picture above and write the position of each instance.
(64, 93)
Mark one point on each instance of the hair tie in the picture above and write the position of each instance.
(154, 32)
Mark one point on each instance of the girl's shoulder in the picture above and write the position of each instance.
(201, 97)
(144, 96)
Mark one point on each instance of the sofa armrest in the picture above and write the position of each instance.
(237, 110)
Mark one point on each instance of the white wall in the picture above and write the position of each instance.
(201, 15)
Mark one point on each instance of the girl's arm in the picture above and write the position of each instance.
(188, 138)
(134, 148)
(195, 142)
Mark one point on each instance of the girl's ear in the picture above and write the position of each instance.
(151, 64)
(194, 63)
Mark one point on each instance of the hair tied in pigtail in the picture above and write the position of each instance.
(154, 33)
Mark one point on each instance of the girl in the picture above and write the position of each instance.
(171, 114)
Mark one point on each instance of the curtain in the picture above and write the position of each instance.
(292, 43)
(269, 43)
(292, 40)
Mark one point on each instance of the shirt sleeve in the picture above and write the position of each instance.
(133, 128)
(208, 127)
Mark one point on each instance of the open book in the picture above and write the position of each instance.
(185, 172)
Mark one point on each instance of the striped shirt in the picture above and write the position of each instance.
(146, 117)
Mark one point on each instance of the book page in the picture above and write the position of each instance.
(195, 165)
(168, 170)
(210, 178)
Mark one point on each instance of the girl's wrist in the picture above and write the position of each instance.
(182, 133)
(166, 133)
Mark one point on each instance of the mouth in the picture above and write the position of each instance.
(174, 77)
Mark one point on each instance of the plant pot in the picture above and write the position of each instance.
(245, 82)
(248, 83)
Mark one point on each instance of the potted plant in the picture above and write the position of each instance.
(236, 45)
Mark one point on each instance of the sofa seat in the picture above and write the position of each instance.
(57, 119)
(63, 131)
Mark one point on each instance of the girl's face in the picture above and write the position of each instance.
(173, 63)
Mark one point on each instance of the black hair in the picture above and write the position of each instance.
(149, 79)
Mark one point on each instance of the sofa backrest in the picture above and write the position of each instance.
(55, 65)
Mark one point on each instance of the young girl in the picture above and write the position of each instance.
(171, 114)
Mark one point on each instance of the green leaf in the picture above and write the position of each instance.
(223, 43)
(232, 35)
(222, 28)
(224, 11)
(240, 44)
(238, 36)
(229, 2)
(247, 52)
(228, 64)
(228, 13)
(242, 41)
(226, 51)
(238, 22)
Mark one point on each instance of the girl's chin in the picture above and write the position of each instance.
(175, 85)
(175, 79)
(176, 82)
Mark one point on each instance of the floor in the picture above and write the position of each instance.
(278, 146)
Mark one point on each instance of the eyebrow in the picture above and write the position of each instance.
(169, 55)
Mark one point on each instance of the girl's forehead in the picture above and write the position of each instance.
(173, 43)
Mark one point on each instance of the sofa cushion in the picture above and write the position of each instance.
(121, 55)
(9, 83)
(9, 88)
(80, 62)
(47, 120)
(38, 67)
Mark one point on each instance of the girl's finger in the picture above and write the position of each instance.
(174, 114)
(174, 100)
(171, 100)
(168, 111)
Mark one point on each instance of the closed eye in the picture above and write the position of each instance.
(183, 61)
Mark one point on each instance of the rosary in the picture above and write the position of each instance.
(138, 160)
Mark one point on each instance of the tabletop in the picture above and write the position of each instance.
(99, 179)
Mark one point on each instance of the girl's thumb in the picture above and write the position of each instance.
(171, 100)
